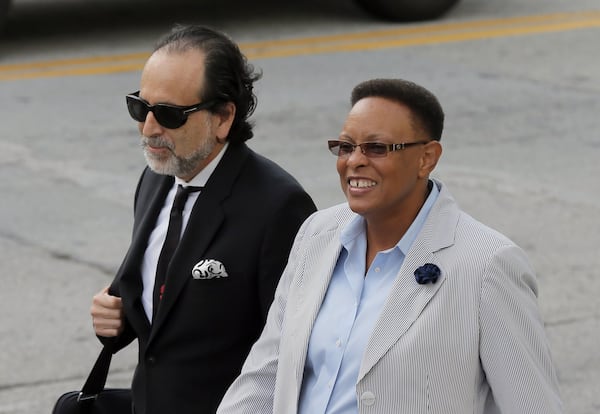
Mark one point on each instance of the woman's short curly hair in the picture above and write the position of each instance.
(427, 113)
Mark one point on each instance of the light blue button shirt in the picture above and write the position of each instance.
(347, 316)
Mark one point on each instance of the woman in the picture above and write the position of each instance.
(398, 301)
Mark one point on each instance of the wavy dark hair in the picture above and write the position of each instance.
(427, 113)
(228, 77)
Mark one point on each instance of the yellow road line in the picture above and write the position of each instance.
(425, 34)
(432, 28)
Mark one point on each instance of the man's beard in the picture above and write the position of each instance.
(180, 166)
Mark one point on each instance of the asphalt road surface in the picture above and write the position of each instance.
(519, 81)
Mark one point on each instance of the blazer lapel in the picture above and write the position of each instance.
(325, 253)
(408, 298)
(205, 219)
(304, 302)
(149, 203)
(198, 233)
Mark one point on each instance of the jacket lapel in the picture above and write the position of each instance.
(149, 202)
(304, 302)
(205, 219)
(408, 298)
(325, 253)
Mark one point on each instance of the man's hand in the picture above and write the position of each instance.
(107, 314)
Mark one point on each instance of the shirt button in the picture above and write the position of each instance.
(330, 384)
(377, 269)
(338, 343)
(151, 360)
(367, 398)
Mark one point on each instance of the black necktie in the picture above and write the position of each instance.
(171, 242)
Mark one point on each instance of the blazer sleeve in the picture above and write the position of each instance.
(514, 350)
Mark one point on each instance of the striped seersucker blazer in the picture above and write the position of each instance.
(473, 342)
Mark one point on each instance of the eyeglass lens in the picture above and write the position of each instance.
(370, 149)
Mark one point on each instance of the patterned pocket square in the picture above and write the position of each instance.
(209, 269)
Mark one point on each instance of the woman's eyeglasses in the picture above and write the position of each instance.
(169, 116)
(370, 149)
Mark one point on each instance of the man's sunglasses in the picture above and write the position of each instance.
(169, 116)
(370, 149)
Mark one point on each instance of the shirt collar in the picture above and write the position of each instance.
(356, 227)
(202, 177)
(411, 234)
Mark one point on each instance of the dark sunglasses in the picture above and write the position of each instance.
(169, 116)
(370, 149)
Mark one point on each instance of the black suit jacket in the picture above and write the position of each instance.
(246, 217)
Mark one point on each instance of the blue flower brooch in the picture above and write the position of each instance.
(428, 273)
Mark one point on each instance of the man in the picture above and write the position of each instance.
(398, 301)
(195, 316)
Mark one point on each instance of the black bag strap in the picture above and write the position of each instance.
(97, 378)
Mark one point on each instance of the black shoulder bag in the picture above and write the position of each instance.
(93, 397)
